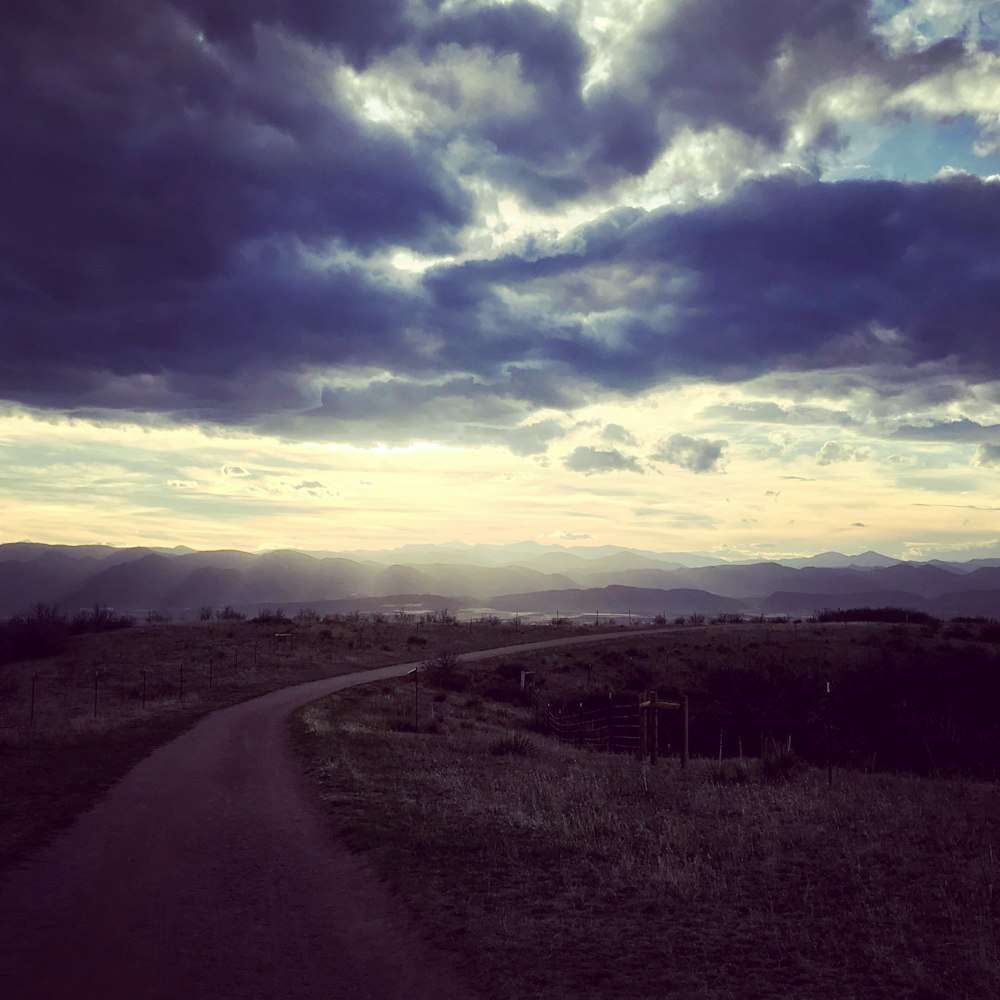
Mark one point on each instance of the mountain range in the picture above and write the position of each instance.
(526, 578)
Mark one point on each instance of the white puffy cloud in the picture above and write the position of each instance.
(837, 451)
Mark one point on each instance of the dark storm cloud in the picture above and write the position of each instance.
(190, 209)
(360, 30)
(785, 275)
(159, 193)
(963, 430)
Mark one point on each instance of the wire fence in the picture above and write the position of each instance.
(614, 723)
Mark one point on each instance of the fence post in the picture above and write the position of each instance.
(653, 721)
(829, 759)
(685, 731)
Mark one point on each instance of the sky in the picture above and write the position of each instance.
(717, 276)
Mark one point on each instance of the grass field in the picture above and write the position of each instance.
(561, 872)
(558, 871)
(73, 723)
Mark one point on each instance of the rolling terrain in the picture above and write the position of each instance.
(524, 578)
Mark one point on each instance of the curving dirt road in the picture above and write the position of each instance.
(209, 872)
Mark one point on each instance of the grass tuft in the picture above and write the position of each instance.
(516, 744)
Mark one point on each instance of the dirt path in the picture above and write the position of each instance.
(209, 872)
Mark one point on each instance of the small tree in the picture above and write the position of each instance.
(442, 671)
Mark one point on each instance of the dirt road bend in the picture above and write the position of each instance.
(209, 872)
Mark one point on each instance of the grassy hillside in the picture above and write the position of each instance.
(562, 872)
(73, 722)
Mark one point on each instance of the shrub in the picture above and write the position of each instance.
(33, 636)
(780, 764)
(99, 619)
(516, 745)
(732, 772)
(442, 671)
(884, 614)
(638, 677)
(269, 617)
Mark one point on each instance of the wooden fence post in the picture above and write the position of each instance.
(685, 731)
(829, 758)
(654, 727)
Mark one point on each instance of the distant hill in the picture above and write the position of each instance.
(617, 601)
(805, 605)
(837, 560)
(569, 579)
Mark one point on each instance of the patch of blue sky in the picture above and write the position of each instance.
(916, 149)
(919, 24)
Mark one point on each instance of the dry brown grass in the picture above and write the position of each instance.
(57, 757)
(565, 873)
